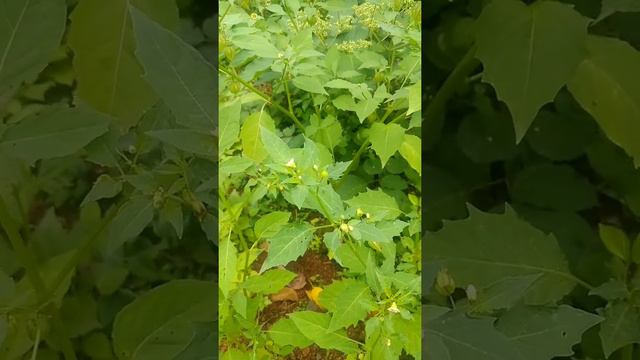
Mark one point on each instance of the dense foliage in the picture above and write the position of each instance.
(106, 179)
(320, 168)
(532, 184)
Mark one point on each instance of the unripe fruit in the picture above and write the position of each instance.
(379, 77)
(445, 285)
(235, 87)
(229, 53)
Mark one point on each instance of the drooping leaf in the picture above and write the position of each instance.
(29, 35)
(177, 72)
(229, 124)
(252, 146)
(607, 85)
(108, 73)
(104, 187)
(520, 45)
(54, 133)
(192, 141)
(132, 218)
(411, 150)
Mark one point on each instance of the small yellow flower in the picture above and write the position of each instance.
(291, 164)
(345, 228)
(254, 16)
(394, 308)
(314, 295)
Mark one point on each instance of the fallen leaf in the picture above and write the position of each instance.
(286, 294)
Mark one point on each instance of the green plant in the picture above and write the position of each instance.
(320, 169)
(106, 183)
(531, 180)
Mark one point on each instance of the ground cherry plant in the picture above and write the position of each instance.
(531, 167)
(319, 182)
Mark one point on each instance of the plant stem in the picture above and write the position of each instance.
(83, 251)
(458, 76)
(26, 257)
(262, 95)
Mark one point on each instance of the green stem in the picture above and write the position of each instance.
(627, 352)
(25, 256)
(262, 95)
(286, 89)
(83, 251)
(459, 74)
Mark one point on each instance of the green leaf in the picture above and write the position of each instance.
(233, 165)
(162, 322)
(364, 108)
(229, 125)
(172, 212)
(309, 84)
(464, 338)
(252, 146)
(609, 7)
(192, 141)
(411, 150)
(611, 290)
(503, 294)
(314, 326)
(177, 72)
(257, 44)
(284, 332)
(269, 282)
(607, 86)
(54, 133)
(415, 98)
(269, 225)
(29, 35)
(277, 149)
(109, 76)
(552, 186)
(105, 187)
(386, 139)
(521, 45)
(620, 328)
(542, 333)
(348, 300)
(369, 232)
(287, 245)
(615, 240)
(228, 260)
(506, 242)
(132, 218)
(377, 203)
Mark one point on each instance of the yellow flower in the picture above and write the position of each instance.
(314, 295)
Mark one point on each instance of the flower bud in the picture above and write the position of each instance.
(445, 285)
(344, 228)
(472, 293)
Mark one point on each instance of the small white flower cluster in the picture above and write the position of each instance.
(366, 14)
(350, 46)
(344, 23)
(321, 28)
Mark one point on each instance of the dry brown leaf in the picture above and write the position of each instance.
(286, 294)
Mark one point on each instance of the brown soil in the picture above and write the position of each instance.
(319, 270)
